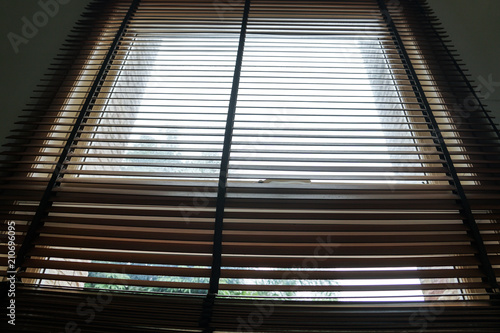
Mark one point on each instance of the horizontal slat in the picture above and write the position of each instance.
(351, 249)
(257, 261)
(346, 288)
(335, 225)
(143, 256)
(115, 281)
(136, 244)
(257, 236)
(261, 287)
(256, 274)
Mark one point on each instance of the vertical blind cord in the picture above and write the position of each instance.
(222, 184)
(466, 211)
(45, 202)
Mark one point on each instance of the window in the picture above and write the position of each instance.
(231, 158)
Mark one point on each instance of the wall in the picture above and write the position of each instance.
(474, 27)
(21, 71)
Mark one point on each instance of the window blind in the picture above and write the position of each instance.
(255, 166)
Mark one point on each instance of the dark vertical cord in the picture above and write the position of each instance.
(206, 316)
(45, 202)
(466, 210)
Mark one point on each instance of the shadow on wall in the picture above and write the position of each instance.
(32, 32)
(473, 27)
